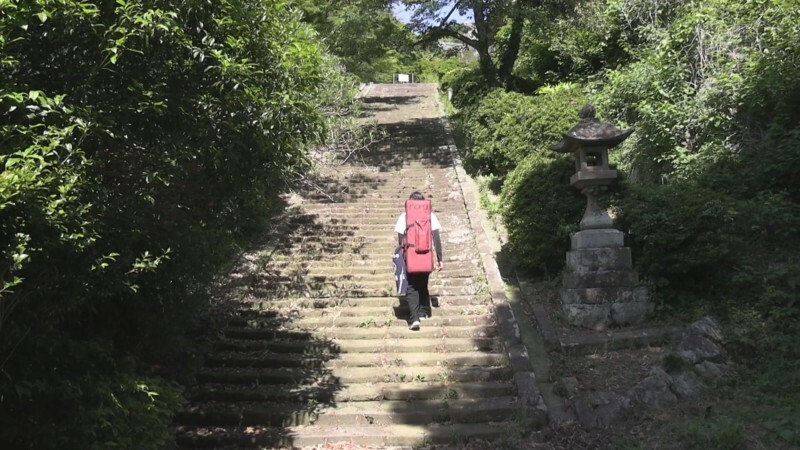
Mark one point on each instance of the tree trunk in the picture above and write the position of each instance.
(488, 69)
(512, 50)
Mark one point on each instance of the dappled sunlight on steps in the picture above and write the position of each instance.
(317, 349)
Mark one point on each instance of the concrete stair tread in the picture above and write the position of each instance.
(355, 285)
(272, 294)
(382, 321)
(421, 343)
(442, 298)
(363, 311)
(356, 392)
(317, 349)
(376, 435)
(349, 413)
(407, 374)
(315, 274)
(261, 359)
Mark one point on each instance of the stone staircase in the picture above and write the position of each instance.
(317, 348)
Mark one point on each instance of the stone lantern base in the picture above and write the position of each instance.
(599, 287)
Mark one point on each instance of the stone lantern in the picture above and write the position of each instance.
(599, 286)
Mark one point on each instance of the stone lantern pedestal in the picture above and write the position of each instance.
(599, 287)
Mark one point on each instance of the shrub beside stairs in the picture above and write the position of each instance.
(316, 349)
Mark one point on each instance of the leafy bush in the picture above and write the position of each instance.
(77, 395)
(141, 141)
(433, 67)
(541, 211)
(467, 84)
(683, 238)
(706, 250)
(136, 133)
(504, 127)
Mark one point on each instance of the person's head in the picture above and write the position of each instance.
(416, 195)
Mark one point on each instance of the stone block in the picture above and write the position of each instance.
(654, 391)
(632, 313)
(595, 259)
(600, 278)
(600, 409)
(686, 384)
(702, 347)
(598, 239)
(707, 327)
(519, 359)
(596, 317)
(607, 295)
(710, 371)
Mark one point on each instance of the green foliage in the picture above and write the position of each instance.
(369, 41)
(711, 203)
(541, 210)
(722, 434)
(432, 67)
(141, 141)
(140, 132)
(467, 85)
(508, 137)
(488, 16)
(504, 127)
(77, 395)
(682, 236)
(705, 250)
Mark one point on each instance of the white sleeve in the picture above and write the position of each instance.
(435, 225)
(400, 225)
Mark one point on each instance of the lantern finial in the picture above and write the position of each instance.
(587, 112)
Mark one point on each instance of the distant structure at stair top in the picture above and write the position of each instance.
(403, 78)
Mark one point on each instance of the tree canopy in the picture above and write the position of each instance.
(495, 33)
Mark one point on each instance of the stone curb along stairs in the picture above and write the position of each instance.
(531, 399)
(316, 349)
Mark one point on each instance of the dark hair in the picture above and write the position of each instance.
(417, 195)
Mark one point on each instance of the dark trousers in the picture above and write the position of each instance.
(419, 301)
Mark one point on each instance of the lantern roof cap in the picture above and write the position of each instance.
(590, 131)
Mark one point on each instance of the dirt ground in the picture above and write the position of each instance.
(615, 372)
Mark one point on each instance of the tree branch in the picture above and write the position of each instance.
(447, 17)
(438, 32)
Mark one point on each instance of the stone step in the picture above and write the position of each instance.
(446, 310)
(367, 281)
(409, 176)
(371, 207)
(463, 286)
(381, 259)
(346, 230)
(452, 197)
(385, 242)
(421, 341)
(397, 194)
(386, 412)
(344, 292)
(313, 251)
(352, 393)
(394, 359)
(385, 301)
(285, 264)
(300, 437)
(320, 275)
(254, 326)
(351, 375)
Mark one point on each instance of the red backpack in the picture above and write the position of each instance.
(417, 245)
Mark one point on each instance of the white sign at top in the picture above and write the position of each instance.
(402, 78)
